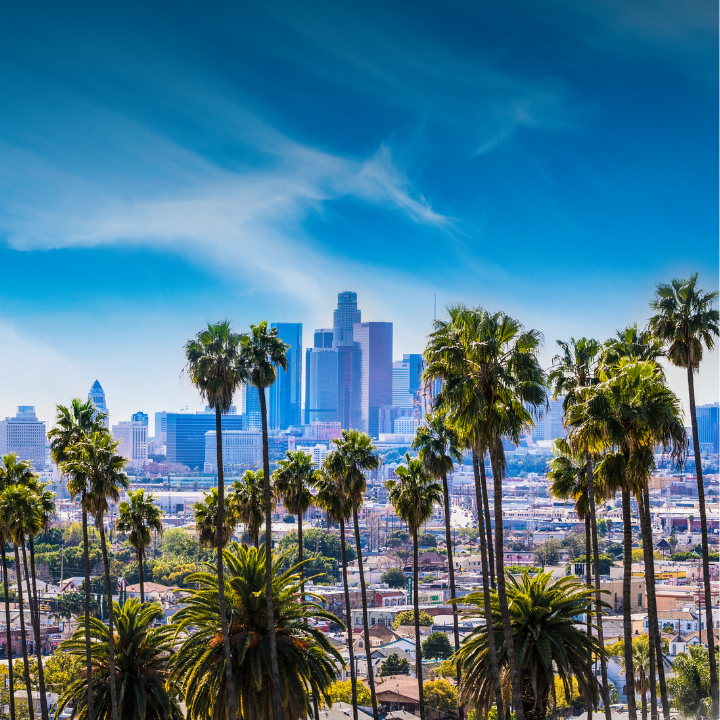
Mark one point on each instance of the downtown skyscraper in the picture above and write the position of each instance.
(374, 385)
(286, 392)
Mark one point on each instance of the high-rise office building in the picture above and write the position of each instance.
(348, 386)
(140, 417)
(323, 338)
(321, 384)
(401, 395)
(344, 318)
(286, 392)
(160, 428)
(24, 434)
(415, 368)
(708, 425)
(133, 438)
(97, 395)
(374, 340)
(242, 449)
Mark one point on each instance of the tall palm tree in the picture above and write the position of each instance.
(332, 497)
(73, 423)
(216, 367)
(439, 448)
(248, 502)
(355, 452)
(5, 482)
(499, 367)
(263, 352)
(414, 496)
(573, 369)
(292, 483)
(626, 416)
(641, 662)
(137, 518)
(143, 655)
(686, 320)
(96, 460)
(17, 508)
(549, 643)
(309, 662)
(632, 344)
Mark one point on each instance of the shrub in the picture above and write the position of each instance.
(441, 695)
(394, 665)
(407, 617)
(394, 577)
(437, 646)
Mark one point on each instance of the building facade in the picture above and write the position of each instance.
(286, 392)
(707, 424)
(344, 318)
(160, 428)
(25, 435)
(241, 449)
(140, 417)
(133, 437)
(186, 435)
(97, 395)
(374, 340)
(321, 385)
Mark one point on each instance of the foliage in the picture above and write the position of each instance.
(407, 617)
(307, 660)
(638, 555)
(447, 669)
(289, 519)
(681, 556)
(566, 697)
(316, 540)
(437, 646)
(179, 542)
(550, 644)
(441, 695)
(61, 669)
(394, 577)
(602, 527)
(70, 604)
(614, 549)
(574, 543)
(548, 553)
(394, 665)
(427, 540)
(605, 561)
(689, 687)
(341, 691)
(142, 653)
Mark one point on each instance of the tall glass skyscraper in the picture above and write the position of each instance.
(286, 391)
(374, 341)
(97, 395)
(323, 338)
(346, 315)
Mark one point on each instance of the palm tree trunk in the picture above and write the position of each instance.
(219, 539)
(488, 523)
(416, 606)
(35, 618)
(655, 639)
(627, 620)
(348, 619)
(643, 701)
(598, 607)
(486, 595)
(451, 573)
(300, 557)
(705, 550)
(111, 611)
(646, 533)
(588, 579)
(142, 579)
(366, 626)
(8, 633)
(277, 705)
(23, 634)
(88, 656)
(497, 461)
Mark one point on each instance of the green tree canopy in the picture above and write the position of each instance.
(441, 695)
(437, 646)
(394, 577)
(407, 617)
(325, 543)
(394, 665)
(427, 540)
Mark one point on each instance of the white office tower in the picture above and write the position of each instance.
(97, 395)
(402, 395)
(24, 434)
(133, 436)
(318, 452)
(241, 450)
(405, 425)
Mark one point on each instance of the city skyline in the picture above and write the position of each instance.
(555, 162)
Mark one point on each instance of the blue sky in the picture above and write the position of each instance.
(162, 165)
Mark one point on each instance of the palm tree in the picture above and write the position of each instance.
(641, 663)
(5, 482)
(626, 416)
(686, 320)
(414, 496)
(95, 459)
(143, 653)
(439, 448)
(17, 508)
(292, 480)
(495, 366)
(549, 643)
(206, 516)
(356, 457)
(137, 518)
(248, 502)
(74, 423)
(332, 497)
(573, 369)
(263, 352)
(309, 662)
(216, 367)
